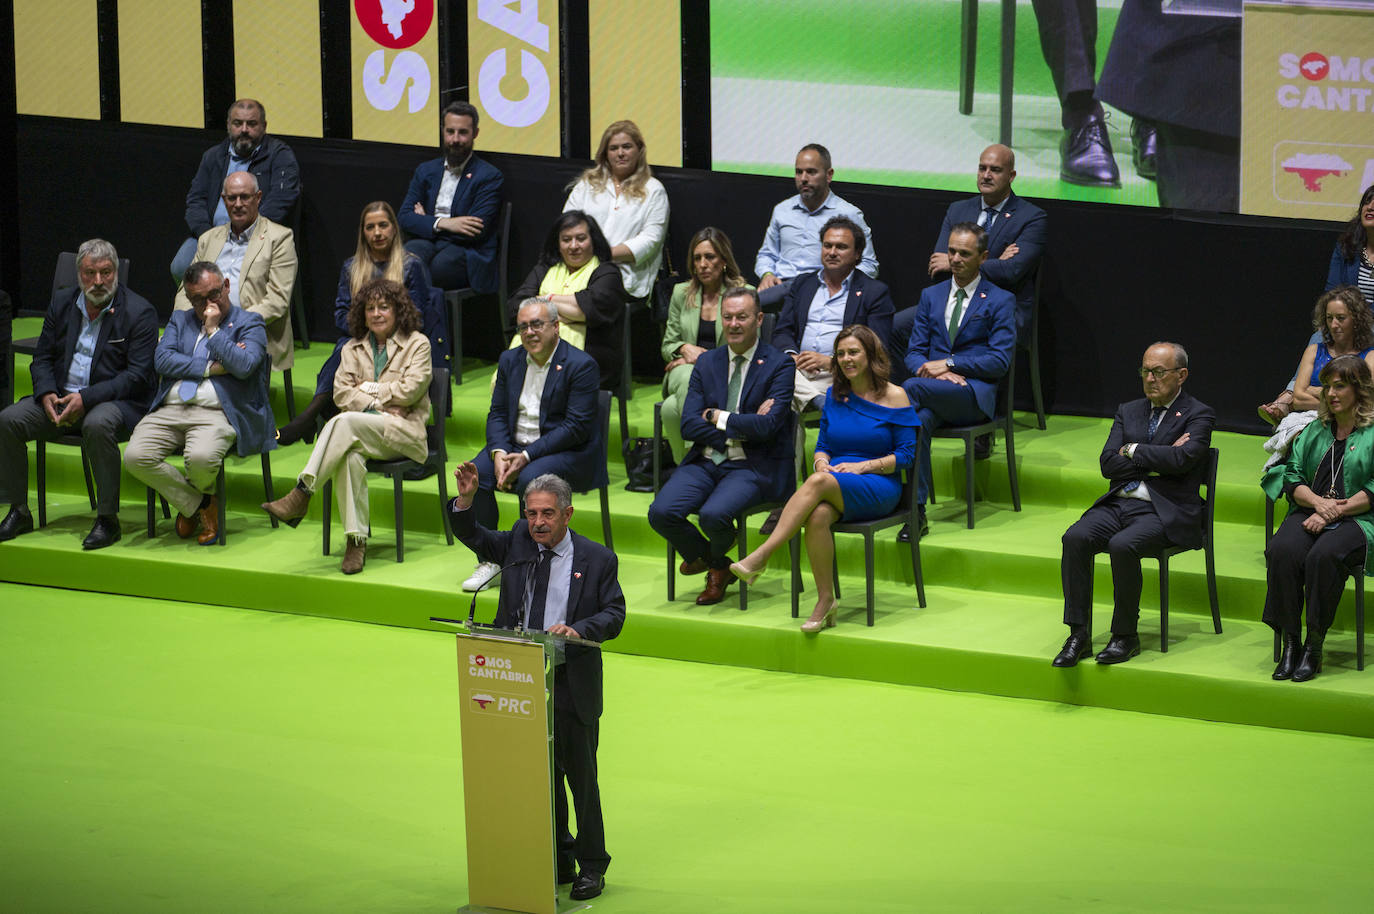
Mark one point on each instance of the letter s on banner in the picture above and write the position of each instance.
(504, 110)
(384, 90)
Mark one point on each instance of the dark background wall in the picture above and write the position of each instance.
(1236, 291)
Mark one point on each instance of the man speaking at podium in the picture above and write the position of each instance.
(570, 586)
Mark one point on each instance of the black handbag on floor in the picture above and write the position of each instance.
(639, 463)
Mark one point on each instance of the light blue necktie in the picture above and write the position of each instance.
(199, 356)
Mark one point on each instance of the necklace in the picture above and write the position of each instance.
(1336, 445)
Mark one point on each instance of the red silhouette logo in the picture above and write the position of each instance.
(1314, 66)
(395, 24)
(480, 660)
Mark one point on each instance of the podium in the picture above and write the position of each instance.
(505, 686)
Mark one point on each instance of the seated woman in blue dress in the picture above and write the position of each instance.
(868, 434)
(379, 255)
(1344, 326)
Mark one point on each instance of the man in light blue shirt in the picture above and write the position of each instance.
(791, 246)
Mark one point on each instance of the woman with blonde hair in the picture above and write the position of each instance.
(694, 324)
(378, 255)
(382, 391)
(1327, 479)
(621, 193)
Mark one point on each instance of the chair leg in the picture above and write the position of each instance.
(166, 508)
(743, 551)
(398, 500)
(455, 339)
(868, 571)
(671, 576)
(443, 506)
(327, 492)
(835, 570)
(267, 488)
(1211, 560)
(152, 513)
(1359, 619)
(41, 452)
(221, 496)
(1164, 604)
(968, 478)
(794, 555)
(968, 54)
(606, 517)
(917, 573)
(290, 393)
(1012, 475)
(624, 397)
(1037, 394)
(90, 483)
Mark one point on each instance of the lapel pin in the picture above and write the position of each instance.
(468, 175)
(1177, 413)
(758, 362)
(1006, 215)
(858, 292)
(558, 368)
(982, 295)
(577, 574)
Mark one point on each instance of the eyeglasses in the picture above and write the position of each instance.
(237, 198)
(536, 326)
(213, 295)
(1155, 373)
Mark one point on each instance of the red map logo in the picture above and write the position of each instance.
(395, 24)
(480, 660)
(483, 700)
(1314, 66)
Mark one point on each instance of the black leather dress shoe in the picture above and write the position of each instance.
(1309, 666)
(904, 534)
(1288, 660)
(1075, 648)
(1144, 148)
(1085, 156)
(16, 523)
(1120, 649)
(105, 532)
(588, 885)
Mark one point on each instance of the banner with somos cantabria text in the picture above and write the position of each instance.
(396, 72)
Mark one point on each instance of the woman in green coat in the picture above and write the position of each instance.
(694, 322)
(1328, 478)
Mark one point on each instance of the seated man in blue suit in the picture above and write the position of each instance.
(961, 346)
(451, 209)
(737, 414)
(213, 394)
(92, 375)
(1016, 230)
(542, 419)
(819, 305)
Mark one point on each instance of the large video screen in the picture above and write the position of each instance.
(1138, 102)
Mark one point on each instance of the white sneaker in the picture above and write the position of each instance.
(481, 577)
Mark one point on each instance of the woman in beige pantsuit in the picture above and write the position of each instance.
(382, 390)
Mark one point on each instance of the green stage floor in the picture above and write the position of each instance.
(169, 757)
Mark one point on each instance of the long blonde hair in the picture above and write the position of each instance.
(363, 270)
(600, 173)
(730, 274)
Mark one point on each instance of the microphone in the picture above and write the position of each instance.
(472, 607)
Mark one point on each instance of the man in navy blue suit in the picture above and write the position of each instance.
(213, 394)
(1017, 231)
(93, 375)
(738, 416)
(450, 211)
(542, 419)
(960, 347)
(819, 305)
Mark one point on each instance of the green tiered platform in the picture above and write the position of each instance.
(994, 598)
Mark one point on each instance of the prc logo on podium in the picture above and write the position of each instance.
(503, 705)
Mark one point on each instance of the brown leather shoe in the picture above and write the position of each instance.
(698, 566)
(187, 524)
(355, 555)
(290, 508)
(717, 579)
(209, 523)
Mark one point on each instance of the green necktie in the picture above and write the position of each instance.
(959, 296)
(731, 397)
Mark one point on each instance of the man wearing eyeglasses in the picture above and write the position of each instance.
(212, 361)
(542, 420)
(258, 257)
(1155, 459)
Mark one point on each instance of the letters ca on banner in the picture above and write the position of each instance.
(1307, 115)
(396, 71)
(513, 74)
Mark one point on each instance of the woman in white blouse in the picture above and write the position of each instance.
(629, 204)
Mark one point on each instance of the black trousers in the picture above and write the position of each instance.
(101, 429)
(1125, 529)
(574, 763)
(1068, 39)
(1305, 568)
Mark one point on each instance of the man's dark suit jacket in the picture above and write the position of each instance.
(122, 363)
(273, 164)
(1021, 223)
(478, 194)
(766, 438)
(567, 412)
(869, 303)
(1173, 474)
(982, 348)
(596, 605)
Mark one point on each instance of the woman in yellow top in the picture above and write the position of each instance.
(694, 322)
(382, 390)
(576, 273)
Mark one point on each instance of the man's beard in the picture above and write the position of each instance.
(91, 294)
(242, 146)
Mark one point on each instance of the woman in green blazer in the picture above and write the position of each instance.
(1328, 478)
(694, 322)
